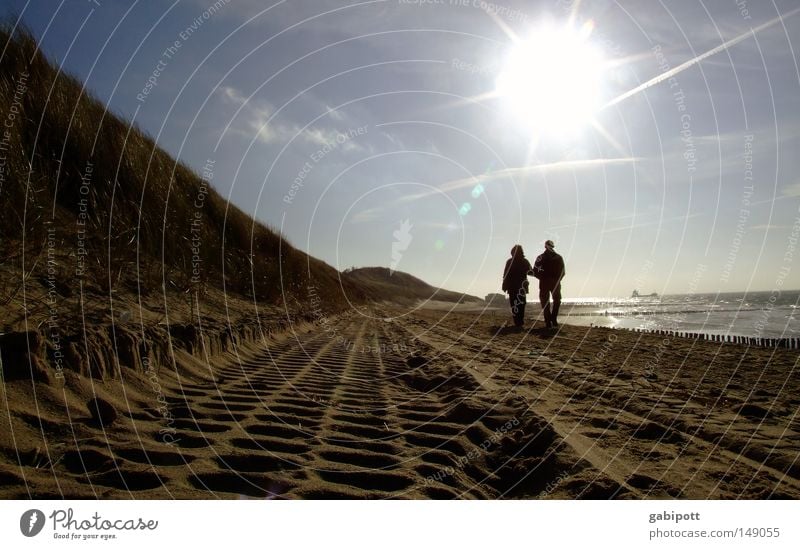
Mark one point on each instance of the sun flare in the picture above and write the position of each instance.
(552, 79)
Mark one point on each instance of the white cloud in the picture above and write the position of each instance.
(769, 227)
(335, 114)
(367, 215)
(394, 140)
(566, 165)
(791, 190)
(256, 117)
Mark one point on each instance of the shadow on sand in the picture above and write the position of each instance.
(543, 333)
(505, 330)
(535, 329)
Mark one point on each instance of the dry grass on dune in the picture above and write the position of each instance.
(72, 165)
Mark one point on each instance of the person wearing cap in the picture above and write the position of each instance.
(515, 282)
(549, 269)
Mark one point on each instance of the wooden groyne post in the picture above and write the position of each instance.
(770, 342)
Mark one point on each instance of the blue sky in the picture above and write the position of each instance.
(378, 112)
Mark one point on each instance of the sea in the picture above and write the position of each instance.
(751, 314)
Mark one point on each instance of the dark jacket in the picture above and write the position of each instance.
(549, 269)
(515, 274)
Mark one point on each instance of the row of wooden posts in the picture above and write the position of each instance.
(782, 342)
(774, 342)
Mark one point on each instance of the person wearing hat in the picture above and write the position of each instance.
(549, 269)
(515, 282)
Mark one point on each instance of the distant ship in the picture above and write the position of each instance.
(637, 294)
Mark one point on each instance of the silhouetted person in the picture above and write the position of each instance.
(515, 282)
(549, 269)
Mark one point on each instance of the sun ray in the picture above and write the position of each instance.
(574, 12)
(608, 137)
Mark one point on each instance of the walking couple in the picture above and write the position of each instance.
(548, 268)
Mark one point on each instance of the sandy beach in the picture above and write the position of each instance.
(382, 403)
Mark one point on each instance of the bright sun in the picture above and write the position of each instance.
(552, 79)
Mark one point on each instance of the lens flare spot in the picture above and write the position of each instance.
(465, 208)
(477, 190)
